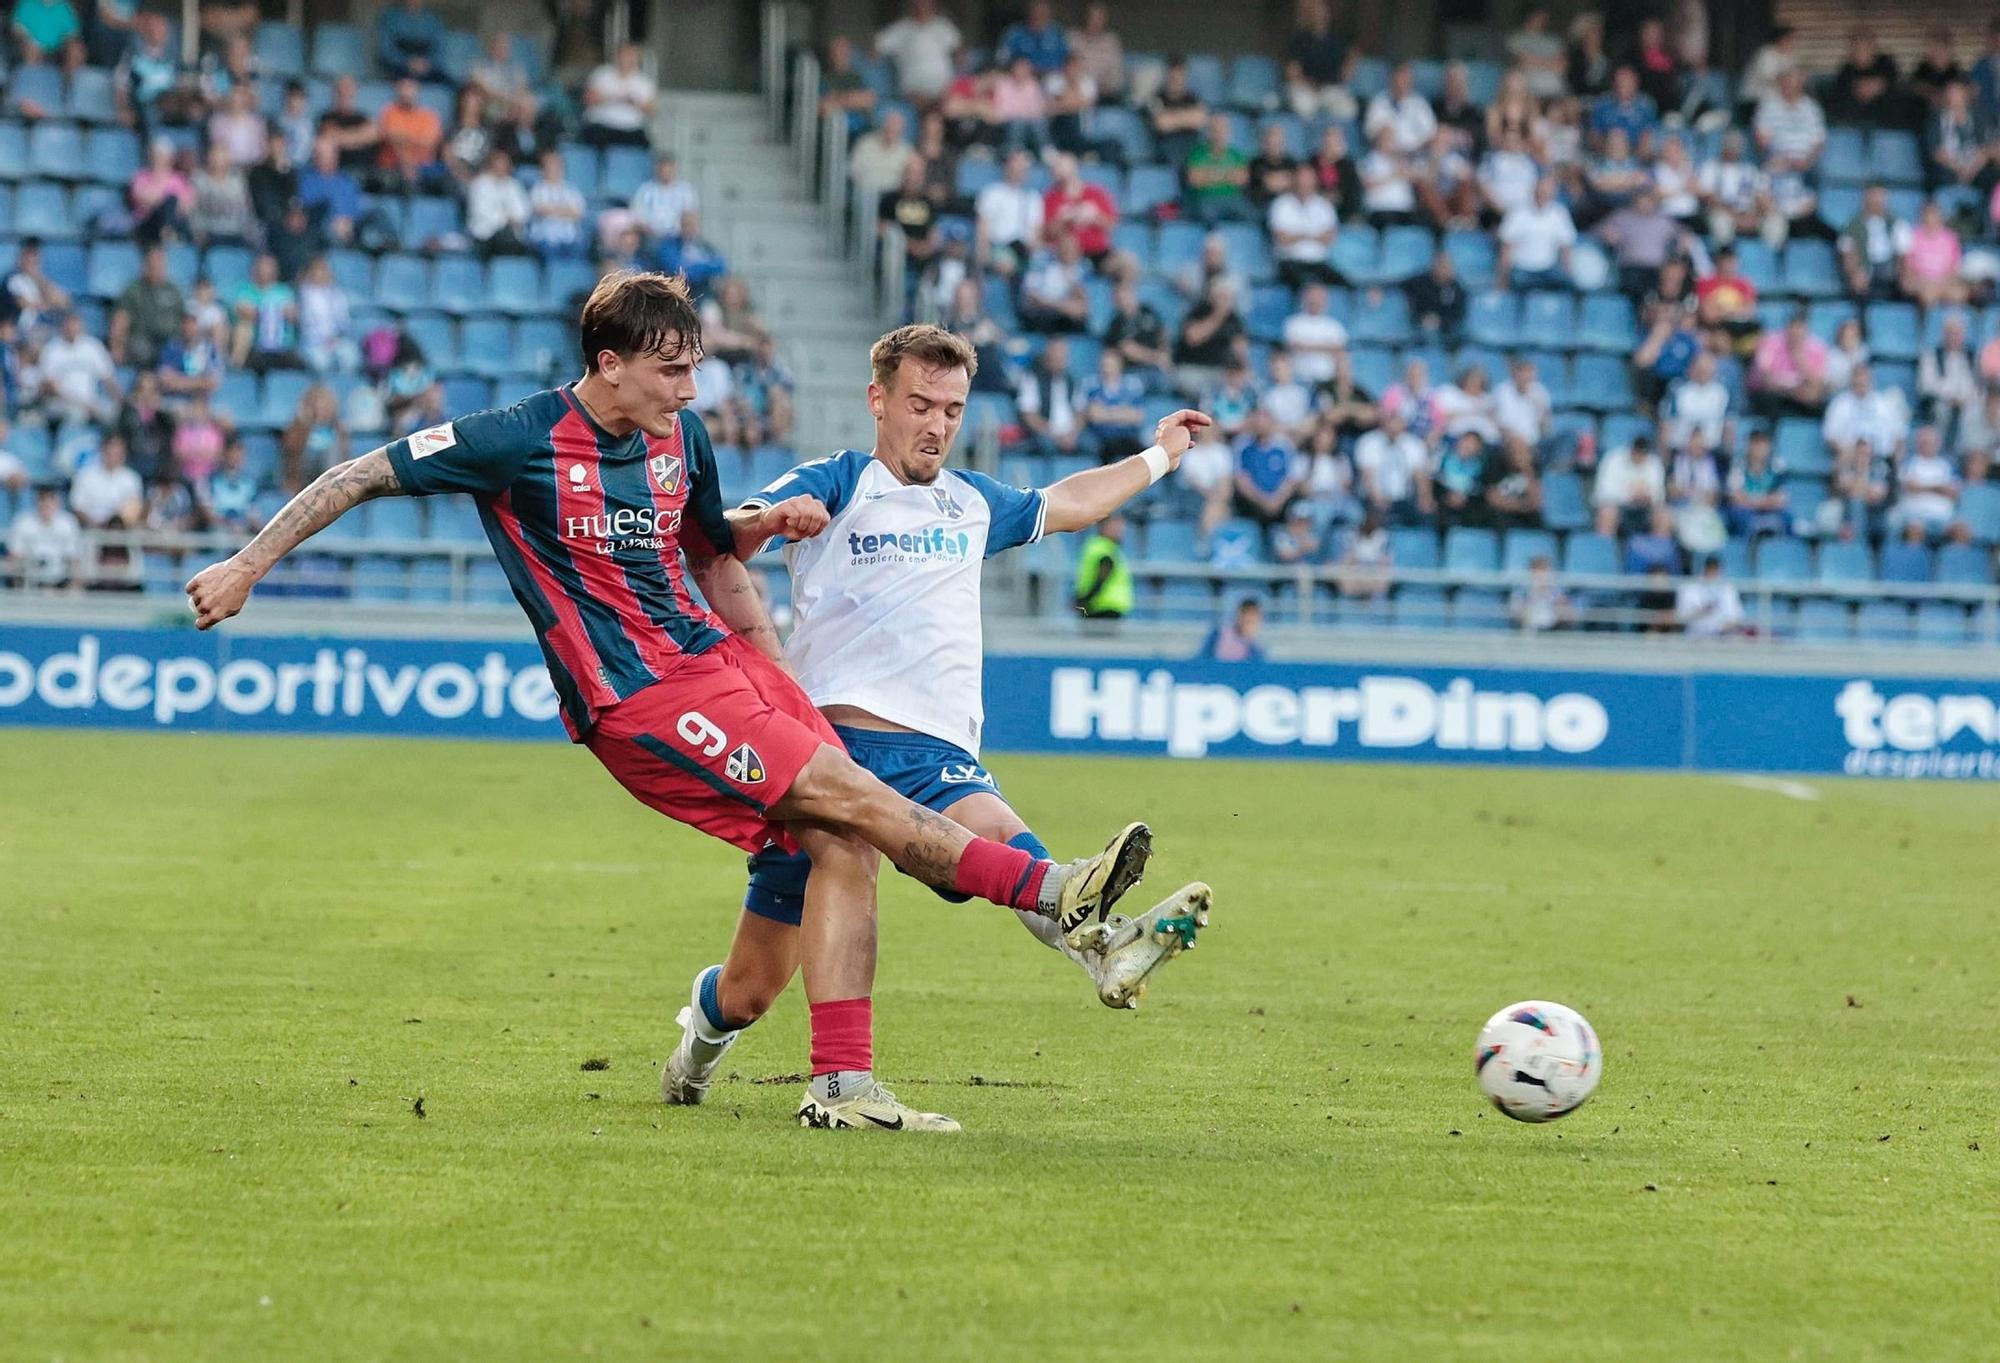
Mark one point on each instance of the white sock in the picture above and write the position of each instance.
(839, 1085)
(1046, 930)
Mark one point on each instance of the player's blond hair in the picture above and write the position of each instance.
(930, 346)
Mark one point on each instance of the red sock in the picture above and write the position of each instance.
(1005, 875)
(843, 1036)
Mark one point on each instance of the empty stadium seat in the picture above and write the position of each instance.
(1895, 158)
(1478, 608)
(1548, 321)
(1413, 547)
(1905, 562)
(1893, 331)
(1473, 257)
(1845, 157)
(1602, 383)
(1940, 622)
(1406, 253)
(112, 266)
(339, 49)
(1147, 187)
(1521, 546)
(1883, 622)
(13, 151)
(1253, 82)
(1493, 319)
(41, 209)
(112, 155)
(1471, 549)
(1798, 448)
(1782, 560)
(55, 152)
(1563, 504)
(1979, 508)
(1845, 563)
(1822, 621)
(624, 170)
(1385, 321)
(1595, 555)
(1965, 565)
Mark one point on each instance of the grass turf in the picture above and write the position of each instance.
(233, 967)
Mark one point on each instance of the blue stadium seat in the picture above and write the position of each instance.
(1758, 263)
(1115, 123)
(1477, 608)
(1137, 238)
(1736, 558)
(113, 265)
(13, 151)
(1147, 187)
(1472, 257)
(1270, 305)
(1369, 78)
(1206, 79)
(458, 285)
(1798, 449)
(1406, 253)
(1249, 251)
(113, 156)
(1965, 565)
(1894, 158)
(1253, 82)
(624, 170)
(1386, 322)
(486, 582)
(1893, 331)
(66, 263)
(1413, 547)
(1374, 367)
(55, 152)
(402, 282)
(985, 411)
(1883, 622)
(1839, 205)
(395, 518)
(428, 218)
(1362, 612)
(1105, 176)
(1822, 621)
(974, 174)
(1825, 318)
(1522, 545)
(457, 54)
(1494, 319)
(1845, 159)
(1421, 608)
(280, 49)
(41, 209)
(584, 164)
(1563, 504)
(339, 49)
(281, 393)
(354, 271)
(1552, 367)
(1803, 497)
(228, 266)
(1471, 549)
(1548, 321)
(1811, 271)
(1840, 564)
(1905, 562)
(1607, 323)
(35, 90)
(466, 393)
(486, 345)
(456, 520)
(544, 346)
(1603, 383)
(1941, 622)
(237, 397)
(1595, 555)
(514, 285)
(1356, 252)
(562, 283)
(1979, 508)
(436, 337)
(91, 97)
(1782, 560)
(1179, 244)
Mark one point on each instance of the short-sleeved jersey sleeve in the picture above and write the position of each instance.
(481, 454)
(704, 503)
(831, 481)
(1020, 514)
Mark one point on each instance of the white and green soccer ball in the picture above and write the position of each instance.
(1537, 1060)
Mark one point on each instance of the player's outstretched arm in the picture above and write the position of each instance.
(219, 591)
(1084, 499)
(795, 518)
(726, 584)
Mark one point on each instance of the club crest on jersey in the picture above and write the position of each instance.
(744, 766)
(946, 503)
(666, 470)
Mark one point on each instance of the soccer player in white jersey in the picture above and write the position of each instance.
(887, 643)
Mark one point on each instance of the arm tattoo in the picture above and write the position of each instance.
(733, 596)
(932, 853)
(325, 499)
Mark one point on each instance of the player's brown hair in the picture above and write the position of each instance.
(927, 345)
(635, 313)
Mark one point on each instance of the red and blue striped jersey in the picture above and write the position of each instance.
(589, 528)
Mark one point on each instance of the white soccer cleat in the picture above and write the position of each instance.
(1091, 885)
(1122, 954)
(684, 1080)
(872, 1109)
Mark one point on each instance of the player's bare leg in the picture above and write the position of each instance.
(833, 790)
(726, 999)
(1119, 954)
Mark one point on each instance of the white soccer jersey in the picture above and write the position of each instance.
(886, 598)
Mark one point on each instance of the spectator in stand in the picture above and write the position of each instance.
(1695, 490)
(912, 210)
(1114, 410)
(1513, 488)
(227, 497)
(875, 162)
(1330, 494)
(1590, 68)
(1848, 352)
(1140, 338)
(1388, 183)
(1050, 403)
(465, 151)
(1929, 274)
(1194, 278)
(1100, 49)
(556, 211)
(1269, 477)
(843, 88)
(146, 426)
(415, 397)
(1325, 60)
(172, 508)
(199, 435)
(1512, 115)
(1535, 242)
(1861, 493)
(1709, 607)
(1229, 403)
(150, 84)
(505, 81)
(1394, 467)
(47, 32)
(273, 182)
(1038, 38)
(967, 107)
(1628, 109)
(239, 127)
(330, 195)
(222, 213)
(191, 363)
(106, 493)
(1927, 487)
(1769, 66)
(228, 67)
(1726, 303)
(1339, 179)
(1872, 247)
(1445, 183)
(1790, 128)
(45, 544)
(315, 440)
(659, 205)
(267, 320)
(1210, 336)
(1788, 371)
(1403, 112)
(1652, 549)
(1540, 604)
(497, 210)
(577, 45)
(1522, 408)
(1458, 115)
(1862, 414)
(1052, 292)
(1642, 239)
(730, 325)
(293, 241)
(1009, 216)
(1459, 481)
(1659, 69)
(1177, 115)
(1415, 397)
(147, 313)
(1948, 390)
(1235, 640)
(1466, 406)
(79, 378)
(1217, 178)
(1289, 401)
(159, 196)
(1678, 183)
(1507, 176)
(351, 132)
(32, 297)
(1957, 148)
(766, 387)
(1079, 208)
(1986, 76)
(1735, 193)
(1666, 353)
(1303, 225)
(921, 44)
(1068, 96)
(1314, 338)
(1271, 169)
(326, 326)
(1614, 177)
(411, 137)
(1865, 89)
(966, 315)
(619, 99)
(1631, 483)
(408, 39)
(1538, 54)
(1756, 502)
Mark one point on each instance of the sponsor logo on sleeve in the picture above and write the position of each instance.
(432, 440)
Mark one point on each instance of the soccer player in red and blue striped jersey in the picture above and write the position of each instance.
(601, 501)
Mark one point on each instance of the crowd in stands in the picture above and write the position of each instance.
(218, 278)
(1596, 287)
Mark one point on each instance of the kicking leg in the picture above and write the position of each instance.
(988, 816)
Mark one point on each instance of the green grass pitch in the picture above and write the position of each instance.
(230, 968)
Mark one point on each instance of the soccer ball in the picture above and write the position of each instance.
(1537, 1061)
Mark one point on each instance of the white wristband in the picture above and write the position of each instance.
(1156, 464)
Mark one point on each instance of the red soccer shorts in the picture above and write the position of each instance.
(715, 744)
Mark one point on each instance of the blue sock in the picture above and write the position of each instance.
(711, 1007)
(1030, 844)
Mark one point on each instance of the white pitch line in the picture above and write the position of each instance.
(1791, 790)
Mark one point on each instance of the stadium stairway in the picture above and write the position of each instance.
(801, 283)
